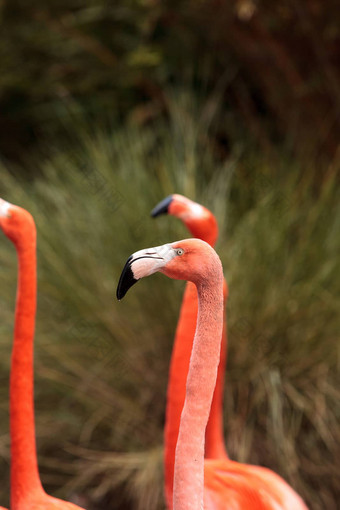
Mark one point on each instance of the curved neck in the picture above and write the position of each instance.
(189, 462)
(205, 230)
(24, 468)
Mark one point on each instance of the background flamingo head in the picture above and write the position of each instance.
(190, 259)
(16, 223)
(198, 219)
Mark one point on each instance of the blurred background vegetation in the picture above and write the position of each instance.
(276, 67)
(107, 108)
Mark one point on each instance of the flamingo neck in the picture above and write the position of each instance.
(178, 372)
(179, 366)
(189, 462)
(24, 468)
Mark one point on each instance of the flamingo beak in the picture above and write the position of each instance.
(143, 263)
(162, 207)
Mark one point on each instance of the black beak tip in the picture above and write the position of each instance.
(126, 280)
(162, 207)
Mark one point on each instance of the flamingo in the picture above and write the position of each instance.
(212, 484)
(203, 225)
(27, 492)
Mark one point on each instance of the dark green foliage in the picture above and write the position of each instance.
(275, 66)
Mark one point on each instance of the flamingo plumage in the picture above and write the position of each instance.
(206, 483)
(202, 224)
(27, 492)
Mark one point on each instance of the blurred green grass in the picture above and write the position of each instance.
(101, 366)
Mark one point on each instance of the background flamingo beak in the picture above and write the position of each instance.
(162, 207)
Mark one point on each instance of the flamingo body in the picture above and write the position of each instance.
(43, 501)
(229, 485)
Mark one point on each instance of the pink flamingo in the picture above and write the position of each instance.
(27, 492)
(206, 483)
(202, 224)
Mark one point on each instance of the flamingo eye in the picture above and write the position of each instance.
(179, 251)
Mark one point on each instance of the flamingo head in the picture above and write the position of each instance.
(198, 219)
(191, 259)
(15, 222)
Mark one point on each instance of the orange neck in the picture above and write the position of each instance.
(214, 435)
(206, 230)
(24, 468)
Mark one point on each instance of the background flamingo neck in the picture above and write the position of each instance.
(189, 462)
(205, 230)
(24, 469)
(214, 434)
